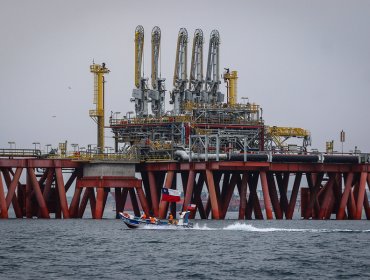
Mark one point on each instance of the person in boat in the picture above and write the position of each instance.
(143, 217)
(170, 219)
(153, 220)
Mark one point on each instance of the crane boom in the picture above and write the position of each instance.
(180, 73)
(157, 94)
(213, 69)
(156, 42)
(139, 47)
(196, 68)
(140, 94)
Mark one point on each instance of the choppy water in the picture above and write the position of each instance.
(106, 249)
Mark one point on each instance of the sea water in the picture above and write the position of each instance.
(230, 249)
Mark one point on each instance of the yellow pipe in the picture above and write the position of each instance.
(232, 87)
(99, 71)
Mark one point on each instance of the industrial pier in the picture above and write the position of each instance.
(207, 143)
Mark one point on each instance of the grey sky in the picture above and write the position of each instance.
(307, 63)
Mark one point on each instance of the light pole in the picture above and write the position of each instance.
(115, 114)
(245, 98)
(11, 143)
(36, 143)
(74, 147)
(47, 148)
(90, 148)
(129, 114)
(342, 138)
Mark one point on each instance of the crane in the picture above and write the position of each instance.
(178, 95)
(140, 93)
(157, 94)
(213, 94)
(196, 69)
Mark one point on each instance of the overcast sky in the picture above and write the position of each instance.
(307, 63)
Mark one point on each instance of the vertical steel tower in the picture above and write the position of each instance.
(98, 114)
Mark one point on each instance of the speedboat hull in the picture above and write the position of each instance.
(133, 222)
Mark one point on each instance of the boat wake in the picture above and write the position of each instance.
(247, 227)
(250, 228)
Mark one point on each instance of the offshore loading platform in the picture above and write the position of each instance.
(208, 143)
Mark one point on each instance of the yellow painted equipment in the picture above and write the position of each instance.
(231, 79)
(98, 114)
(280, 134)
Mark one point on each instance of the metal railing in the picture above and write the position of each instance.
(11, 153)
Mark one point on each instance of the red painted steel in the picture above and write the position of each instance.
(243, 196)
(163, 205)
(213, 195)
(39, 197)
(45, 192)
(189, 189)
(153, 193)
(266, 196)
(3, 207)
(62, 192)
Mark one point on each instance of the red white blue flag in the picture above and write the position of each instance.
(170, 195)
(191, 207)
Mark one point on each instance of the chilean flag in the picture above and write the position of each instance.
(170, 195)
(191, 207)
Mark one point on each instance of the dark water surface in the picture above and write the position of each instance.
(106, 249)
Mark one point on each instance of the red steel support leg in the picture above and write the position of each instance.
(360, 197)
(49, 181)
(163, 205)
(184, 180)
(135, 205)
(337, 192)
(293, 197)
(314, 185)
(118, 199)
(266, 196)
(243, 196)
(13, 184)
(160, 180)
(99, 203)
(3, 208)
(213, 195)
(143, 201)
(225, 183)
(145, 182)
(124, 197)
(11, 197)
(197, 197)
(351, 206)
(28, 197)
(189, 189)
(62, 192)
(283, 182)
(84, 200)
(328, 196)
(154, 193)
(274, 196)
(253, 201)
(345, 196)
(71, 180)
(227, 193)
(106, 193)
(367, 206)
(39, 197)
(73, 208)
(173, 204)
